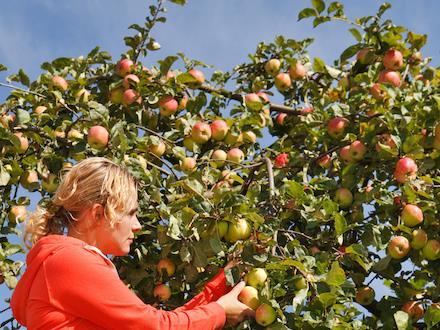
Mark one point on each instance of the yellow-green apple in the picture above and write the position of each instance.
(249, 296)
(235, 155)
(116, 95)
(17, 213)
(168, 106)
(162, 292)
(365, 56)
(249, 137)
(280, 118)
(398, 247)
(59, 83)
(389, 77)
(393, 59)
(97, 137)
(130, 96)
(377, 92)
(124, 67)
(253, 101)
(324, 161)
(82, 95)
(343, 197)
(300, 283)
(419, 239)
(183, 102)
(24, 143)
(365, 295)
(238, 230)
(167, 266)
(256, 277)
(357, 150)
(283, 82)
(345, 155)
(188, 164)
(219, 129)
(405, 170)
(157, 149)
(218, 156)
(336, 127)
(297, 71)
(431, 251)
(130, 80)
(29, 180)
(74, 134)
(201, 132)
(189, 143)
(281, 160)
(221, 228)
(413, 309)
(233, 138)
(50, 183)
(272, 67)
(198, 76)
(411, 215)
(265, 315)
(40, 109)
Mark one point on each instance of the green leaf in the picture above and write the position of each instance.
(185, 255)
(174, 228)
(319, 65)
(319, 5)
(166, 64)
(334, 6)
(300, 297)
(349, 52)
(402, 320)
(293, 189)
(336, 275)
(432, 317)
(319, 20)
(193, 185)
(3, 68)
(4, 176)
(417, 41)
(23, 117)
(356, 34)
(179, 2)
(24, 79)
(340, 224)
(199, 257)
(307, 12)
(327, 299)
(98, 111)
(382, 264)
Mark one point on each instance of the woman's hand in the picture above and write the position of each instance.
(235, 311)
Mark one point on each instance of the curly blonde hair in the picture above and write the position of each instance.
(92, 180)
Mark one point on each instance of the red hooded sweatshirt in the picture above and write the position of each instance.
(71, 285)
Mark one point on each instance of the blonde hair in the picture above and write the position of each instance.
(92, 180)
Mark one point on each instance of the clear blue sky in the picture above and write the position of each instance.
(220, 33)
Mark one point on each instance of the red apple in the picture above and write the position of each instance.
(297, 71)
(281, 160)
(336, 127)
(307, 109)
(256, 277)
(130, 80)
(167, 266)
(431, 251)
(219, 129)
(29, 180)
(24, 143)
(398, 247)
(283, 82)
(97, 137)
(168, 106)
(157, 149)
(280, 118)
(365, 295)
(419, 239)
(365, 56)
(343, 197)
(249, 296)
(60, 83)
(201, 132)
(253, 102)
(198, 76)
(264, 97)
(389, 77)
(265, 315)
(188, 164)
(393, 59)
(130, 96)
(324, 161)
(17, 213)
(405, 170)
(235, 155)
(377, 92)
(413, 309)
(357, 150)
(345, 154)
(124, 67)
(162, 291)
(411, 215)
(272, 67)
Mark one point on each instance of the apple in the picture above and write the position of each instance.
(183, 102)
(365, 56)
(389, 77)
(385, 141)
(405, 170)
(97, 137)
(249, 137)
(431, 251)
(336, 127)
(29, 180)
(168, 106)
(157, 149)
(343, 197)
(49, 183)
(219, 129)
(124, 67)
(307, 109)
(162, 291)
(272, 67)
(256, 277)
(74, 134)
(300, 283)
(130, 96)
(233, 139)
(198, 76)
(60, 83)
(218, 156)
(235, 155)
(188, 164)
(283, 82)
(377, 92)
(201, 132)
(265, 315)
(264, 97)
(227, 176)
(411, 215)
(17, 213)
(116, 95)
(414, 309)
(345, 154)
(281, 160)
(40, 109)
(398, 247)
(223, 184)
(249, 296)
(365, 295)
(82, 95)
(130, 80)
(221, 228)
(189, 143)
(415, 58)
(167, 266)
(324, 161)
(297, 71)
(357, 150)
(280, 118)
(24, 143)
(239, 230)
(419, 239)
(393, 59)
(253, 102)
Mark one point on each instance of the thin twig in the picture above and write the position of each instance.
(22, 90)
(270, 174)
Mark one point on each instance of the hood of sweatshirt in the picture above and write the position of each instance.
(45, 247)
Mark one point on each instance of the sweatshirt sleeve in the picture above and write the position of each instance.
(213, 290)
(81, 283)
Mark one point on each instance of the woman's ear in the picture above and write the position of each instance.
(97, 213)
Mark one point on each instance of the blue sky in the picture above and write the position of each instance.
(221, 33)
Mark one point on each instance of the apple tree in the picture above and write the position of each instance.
(345, 200)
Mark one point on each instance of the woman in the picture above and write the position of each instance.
(69, 283)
